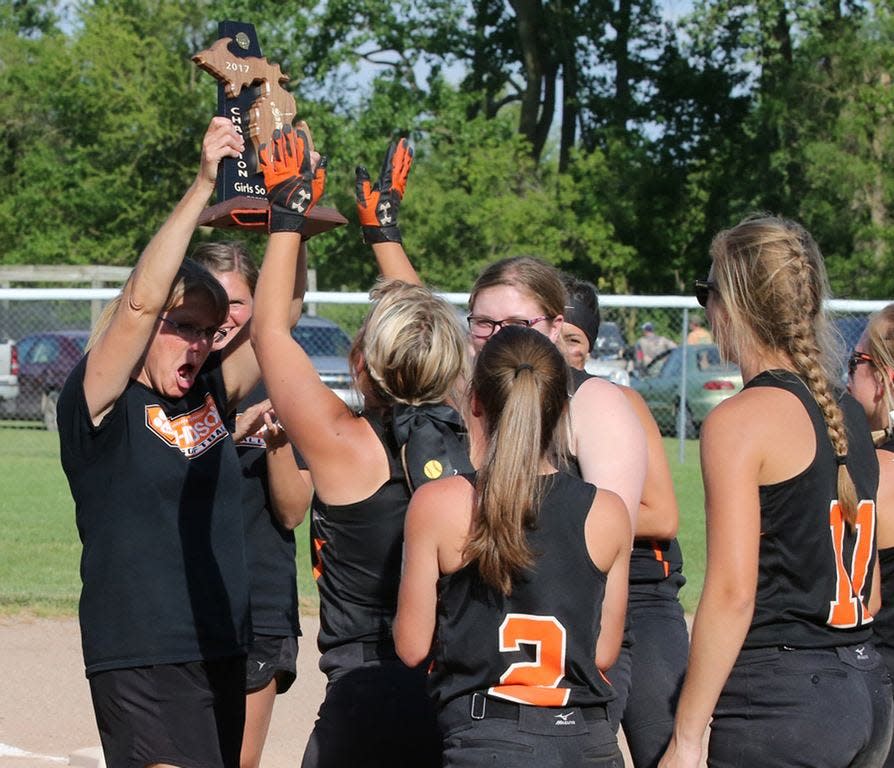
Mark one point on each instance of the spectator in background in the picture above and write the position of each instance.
(698, 334)
(650, 345)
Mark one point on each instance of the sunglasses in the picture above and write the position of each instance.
(856, 359)
(702, 289)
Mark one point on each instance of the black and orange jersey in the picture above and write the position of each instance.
(356, 555)
(656, 569)
(537, 646)
(157, 495)
(815, 571)
(269, 548)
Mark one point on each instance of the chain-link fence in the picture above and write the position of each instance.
(659, 345)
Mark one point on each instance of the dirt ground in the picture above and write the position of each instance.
(46, 718)
(45, 710)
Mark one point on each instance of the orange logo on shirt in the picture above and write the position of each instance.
(193, 433)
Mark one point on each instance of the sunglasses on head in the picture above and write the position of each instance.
(856, 359)
(702, 289)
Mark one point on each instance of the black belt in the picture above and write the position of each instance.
(477, 706)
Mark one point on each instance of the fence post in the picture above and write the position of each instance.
(681, 411)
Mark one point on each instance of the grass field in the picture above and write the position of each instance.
(40, 551)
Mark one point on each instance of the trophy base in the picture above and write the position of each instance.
(251, 213)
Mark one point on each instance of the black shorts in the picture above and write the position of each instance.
(271, 657)
(190, 715)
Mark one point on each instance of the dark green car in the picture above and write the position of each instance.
(709, 381)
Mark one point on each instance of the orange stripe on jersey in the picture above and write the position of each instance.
(659, 556)
(318, 558)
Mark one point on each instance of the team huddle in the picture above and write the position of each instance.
(493, 536)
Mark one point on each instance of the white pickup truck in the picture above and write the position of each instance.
(9, 375)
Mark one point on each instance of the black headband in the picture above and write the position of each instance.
(584, 319)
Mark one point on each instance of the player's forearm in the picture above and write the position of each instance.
(290, 487)
(721, 624)
(394, 263)
(158, 264)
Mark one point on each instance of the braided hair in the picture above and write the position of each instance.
(770, 275)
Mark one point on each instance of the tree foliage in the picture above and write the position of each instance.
(606, 137)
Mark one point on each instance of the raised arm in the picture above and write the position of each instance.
(317, 421)
(115, 354)
(609, 441)
(377, 208)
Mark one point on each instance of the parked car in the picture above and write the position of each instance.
(328, 345)
(9, 376)
(610, 357)
(45, 360)
(709, 381)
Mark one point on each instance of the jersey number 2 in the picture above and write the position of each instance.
(849, 609)
(533, 682)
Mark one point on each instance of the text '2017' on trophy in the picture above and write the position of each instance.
(250, 93)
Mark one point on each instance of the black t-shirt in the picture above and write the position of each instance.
(538, 645)
(157, 494)
(269, 548)
(814, 572)
(356, 555)
(656, 570)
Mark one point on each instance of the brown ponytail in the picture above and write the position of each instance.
(520, 381)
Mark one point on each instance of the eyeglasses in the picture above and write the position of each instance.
(484, 327)
(702, 289)
(855, 359)
(190, 332)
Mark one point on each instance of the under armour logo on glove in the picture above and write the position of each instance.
(379, 203)
(293, 186)
(305, 199)
(384, 213)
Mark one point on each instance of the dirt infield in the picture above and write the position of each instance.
(45, 713)
(45, 710)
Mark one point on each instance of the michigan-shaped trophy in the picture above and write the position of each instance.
(250, 92)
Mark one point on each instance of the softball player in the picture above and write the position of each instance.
(870, 375)
(649, 672)
(782, 652)
(409, 357)
(523, 576)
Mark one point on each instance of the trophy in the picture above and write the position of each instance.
(250, 93)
